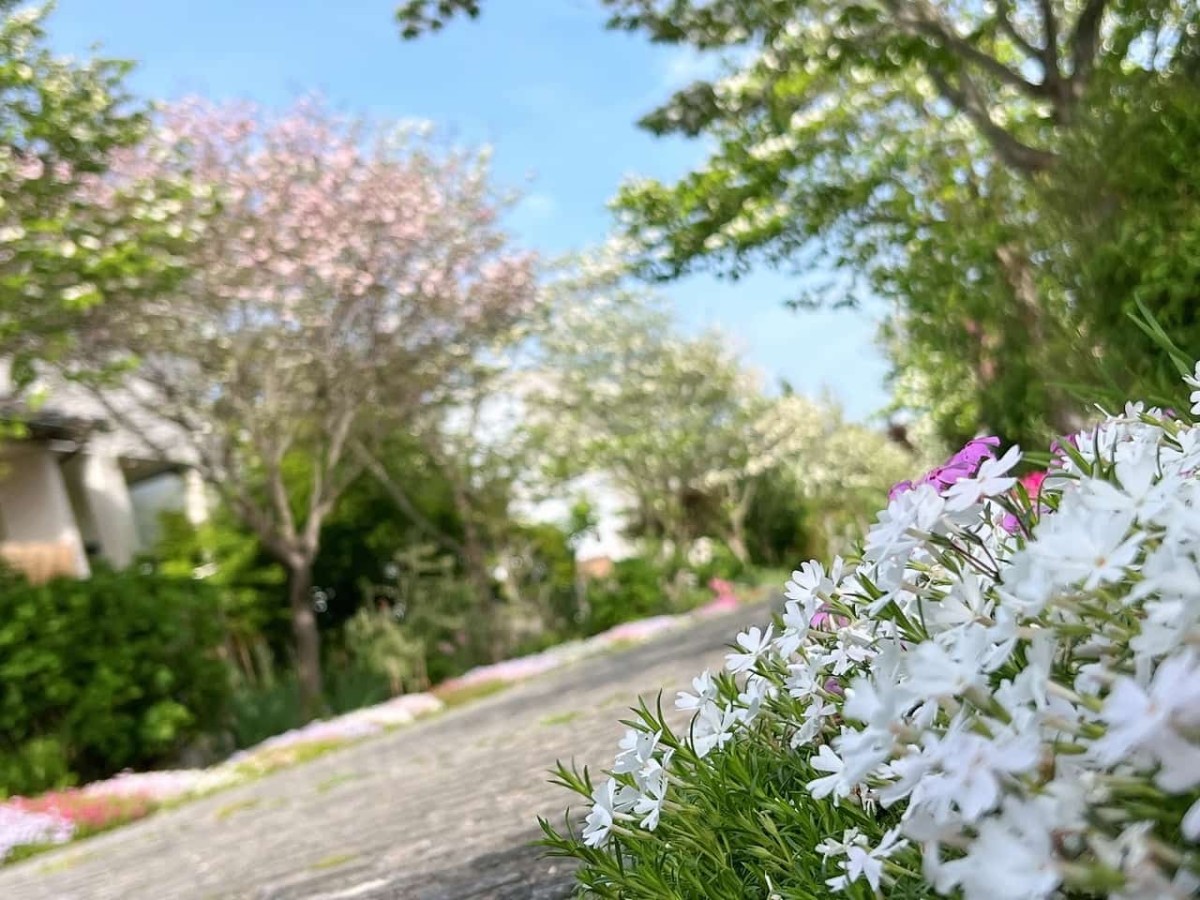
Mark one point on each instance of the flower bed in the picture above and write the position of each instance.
(1000, 698)
(60, 816)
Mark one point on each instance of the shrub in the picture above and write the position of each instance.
(376, 642)
(998, 698)
(119, 670)
(636, 588)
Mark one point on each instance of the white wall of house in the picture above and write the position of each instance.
(111, 509)
(196, 499)
(173, 491)
(34, 504)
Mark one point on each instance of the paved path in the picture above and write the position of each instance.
(441, 810)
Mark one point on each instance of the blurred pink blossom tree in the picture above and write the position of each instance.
(345, 273)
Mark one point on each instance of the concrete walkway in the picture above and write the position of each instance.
(442, 810)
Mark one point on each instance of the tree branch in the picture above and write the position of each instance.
(967, 100)
(402, 500)
(1050, 33)
(1005, 22)
(926, 20)
(277, 490)
(1085, 42)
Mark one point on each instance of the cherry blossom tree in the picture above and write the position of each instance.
(346, 272)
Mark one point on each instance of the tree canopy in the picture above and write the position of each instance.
(345, 273)
(68, 238)
(967, 162)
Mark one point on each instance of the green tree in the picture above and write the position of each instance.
(921, 150)
(348, 272)
(69, 238)
(684, 430)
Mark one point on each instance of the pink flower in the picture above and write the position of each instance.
(1033, 482)
(963, 464)
(823, 617)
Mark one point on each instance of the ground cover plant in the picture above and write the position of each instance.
(999, 697)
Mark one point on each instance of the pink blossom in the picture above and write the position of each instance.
(963, 464)
(1032, 482)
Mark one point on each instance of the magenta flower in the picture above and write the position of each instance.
(963, 464)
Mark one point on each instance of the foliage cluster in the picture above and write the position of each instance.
(119, 671)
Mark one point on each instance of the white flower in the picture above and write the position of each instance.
(970, 769)
(637, 748)
(962, 668)
(652, 791)
(850, 837)
(1011, 858)
(796, 619)
(599, 821)
(1087, 546)
(937, 671)
(815, 715)
(758, 689)
(754, 642)
(1193, 380)
(712, 728)
(810, 583)
(862, 862)
(897, 531)
(706, 692)
(991, 479)
(1191, 823)
(833, 783)
(803, 678)
(876, 703)
(1152, 720)
(844, 656)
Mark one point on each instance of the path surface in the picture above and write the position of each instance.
(441, 810)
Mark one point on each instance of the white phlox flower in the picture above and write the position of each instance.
(1002, 693)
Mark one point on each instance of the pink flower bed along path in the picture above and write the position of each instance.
(59, 816)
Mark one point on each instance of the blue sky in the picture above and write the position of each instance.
(540, 80)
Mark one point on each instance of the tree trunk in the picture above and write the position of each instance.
(475, 562)
(737, 524)
(307, 638)
(1018, 273)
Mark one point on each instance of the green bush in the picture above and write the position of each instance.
(116, 671)
(636, 588)
(269, 707)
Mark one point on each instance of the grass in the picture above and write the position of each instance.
(330, 783)
(562, 718)
(622, 644)
(65, 864)
(332, 861)
(283, 757)
(233, 809)
(465, 694)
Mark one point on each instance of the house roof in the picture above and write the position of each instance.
(47, 423)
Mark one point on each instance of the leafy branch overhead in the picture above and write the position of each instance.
(418, 16)
(970, 164)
